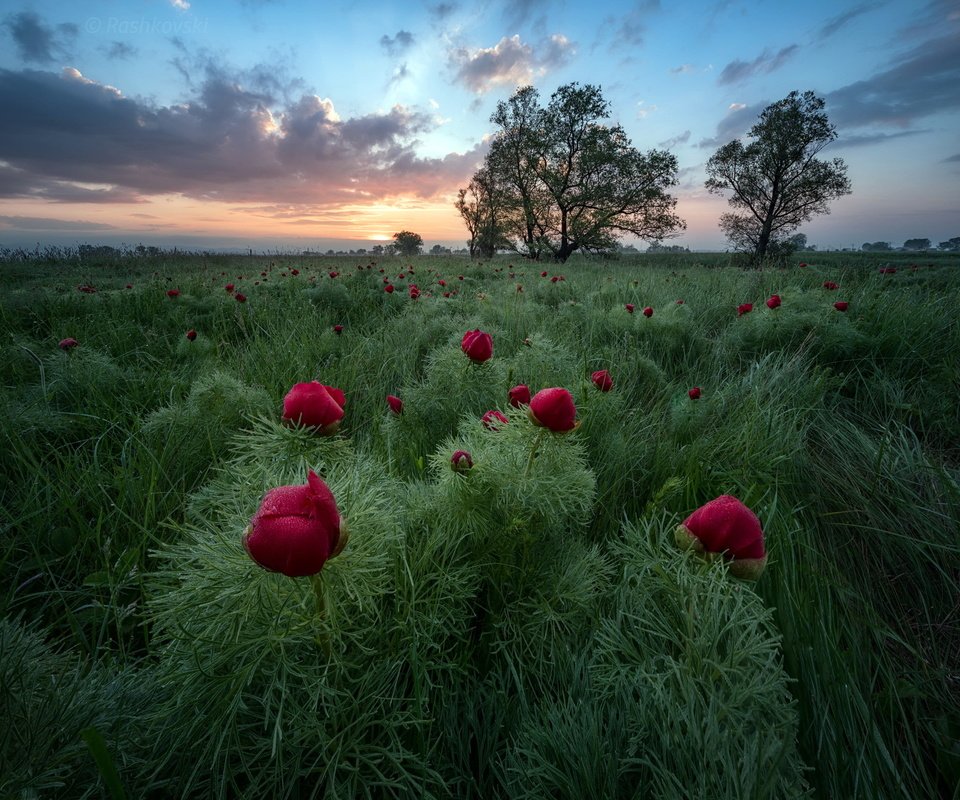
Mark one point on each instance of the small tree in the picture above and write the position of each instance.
(776, 179)
(408, 243)
(951, 245)
(917, 244)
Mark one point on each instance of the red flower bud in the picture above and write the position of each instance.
(229, 287)
(519, 395)
(744, 308)
(727, 526)
(461, 461)
(441, 282)
(68, 344)
(774, 301)
(477, 345)
(191, 334)
(493, 419)
(333, 274)
(395, 403)
(830, 285)
(388, 288)
(553, 409)
(313, 405)
(554, 279)
(602, 380)
(171, 293)
(648, 311)
(629, 307)
(296, 529)
(543, 274)
(338, 329)
(841, 305)
(240, 298)
(694, 393)
(679, 302)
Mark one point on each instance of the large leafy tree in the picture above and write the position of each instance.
(776, 180)
(564, 181)
(408, 243)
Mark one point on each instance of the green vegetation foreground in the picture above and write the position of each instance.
(526, 627)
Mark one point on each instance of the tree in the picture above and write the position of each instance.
(557, 180)
(876, 247)
(917, 244)
(481, 205)
(776, 179)
(407, 243)
(951, 245)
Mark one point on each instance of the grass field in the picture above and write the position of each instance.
(528, 629)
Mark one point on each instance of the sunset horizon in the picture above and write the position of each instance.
(273, 125)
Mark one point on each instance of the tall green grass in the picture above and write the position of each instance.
(528, 629)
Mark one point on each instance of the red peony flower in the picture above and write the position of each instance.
(294, 272)
(313, 405)
(129, 285)
(338, 329)
(726, 526)
(694, 393)
(629, 307)
(830, 285)
(602, 380)
(774, 301)
(441, 282)
(744, 308)
(333, 274)
(553, 409)
(648, 311)
(841, 305)
(388, 288)
(802, 264)
(461, 461)
(395, 403)
(191, 334)
(888, 270)
(493, 419)
(519, 395)
(554, 279)
(229, 287)
(240, 298)
(171, 293)
(477, 345)
(414, 292)
(68, 344)
(296, 529)
(86, 289)
(679, 302)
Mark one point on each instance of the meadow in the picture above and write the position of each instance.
(528, 629)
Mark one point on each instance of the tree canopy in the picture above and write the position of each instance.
(557, 180)
(408, 243)
(777, 183)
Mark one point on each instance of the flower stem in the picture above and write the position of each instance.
(323, 637)
(533, 451)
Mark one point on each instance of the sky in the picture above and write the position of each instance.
(287, 125)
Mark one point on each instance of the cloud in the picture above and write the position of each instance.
(921, 82)
(180, 5)
(859, 140)
(738, 71)
(683, 69)
(442, 11)
(673, 141)
(518, 12)
(36, 41)
(118, 50)
(397, 45)
(737, 121)
(226, 142)
(952, 159)
(630, 29)
(47, 224)
(834, 24)
(509, 62)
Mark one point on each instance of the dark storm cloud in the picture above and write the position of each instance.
(921, 82)
(834, 24)
(398, 44)
(738, 71)
(510, 62)
(35, 40)
(227, 142)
